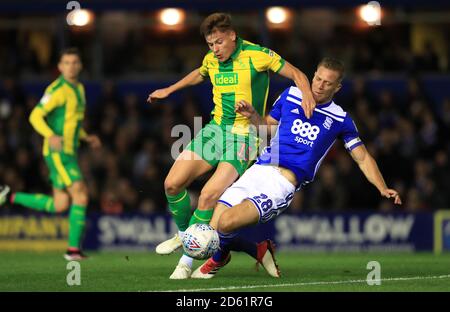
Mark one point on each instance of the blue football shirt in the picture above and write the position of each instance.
(301, 144)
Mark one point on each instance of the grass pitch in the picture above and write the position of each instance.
(138, 271)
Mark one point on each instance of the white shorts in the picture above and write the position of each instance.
(265, 187)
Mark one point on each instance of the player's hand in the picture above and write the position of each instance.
(308, 105)
(93, 141)
(55, 142)
(158, 95)
(390, 193)
(244, 108)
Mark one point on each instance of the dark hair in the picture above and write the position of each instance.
(216, 21)
(333, 64)
(70, 51)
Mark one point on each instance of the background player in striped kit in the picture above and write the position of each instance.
(238, 70)
(58, 117)
(291, 161)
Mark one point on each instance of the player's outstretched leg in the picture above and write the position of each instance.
(39, 202)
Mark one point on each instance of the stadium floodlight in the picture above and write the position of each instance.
(171, 16)
(79, 17)
(276, 15)
(371, 13)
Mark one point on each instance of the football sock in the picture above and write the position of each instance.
(77, 222)
(180, 207)
(38, 202)
(241, 244)
(224, 247)
(186, 260)
(201, 216)
(235, 242)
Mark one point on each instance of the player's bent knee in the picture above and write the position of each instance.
(226, 223)
(61, 205)
(171, 187)
(80, 198)
(209, 198)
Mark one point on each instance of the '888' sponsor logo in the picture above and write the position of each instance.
(306, 131)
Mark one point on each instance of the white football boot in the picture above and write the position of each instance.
(4, 190)
(182, 271)
(169, 246)
(266, 257)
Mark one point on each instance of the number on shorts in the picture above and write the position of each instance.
(266, 204)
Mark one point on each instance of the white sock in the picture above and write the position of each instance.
(181, 234)
(186, 260)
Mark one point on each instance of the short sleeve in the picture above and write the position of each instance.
(275, 112)
(204, 68)
(267, 59)
(350, 134)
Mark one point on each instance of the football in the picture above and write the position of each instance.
(200, 241)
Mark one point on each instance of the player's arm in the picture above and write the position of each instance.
(37, 121)
(246, 109)
(192, 79)
(302, 82)
(92, 140)
(370, 169)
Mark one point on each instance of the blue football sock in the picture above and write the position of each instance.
(240, 244)
(233, 241)
(224, 250)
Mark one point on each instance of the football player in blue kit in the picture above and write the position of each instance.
(291, 161)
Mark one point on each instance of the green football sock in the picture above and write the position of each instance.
(38, 202)
(180, 207)
(77, 222)
(201, 216)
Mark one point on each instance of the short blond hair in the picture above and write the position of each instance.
(333, 64)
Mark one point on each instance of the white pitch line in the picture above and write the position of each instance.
(390, 279)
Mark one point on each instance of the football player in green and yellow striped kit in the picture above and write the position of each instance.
(238, 70)
(58, 117)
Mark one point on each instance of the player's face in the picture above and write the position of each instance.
(222, 44)
(70, 66)
(325, 84)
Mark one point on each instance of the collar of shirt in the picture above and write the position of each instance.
(236, 51)
(68, 83)
(324, 104)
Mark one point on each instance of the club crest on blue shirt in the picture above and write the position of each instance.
(327, 123)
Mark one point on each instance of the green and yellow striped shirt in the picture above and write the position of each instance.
(62, 106)
(244, 76)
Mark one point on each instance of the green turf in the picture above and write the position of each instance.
(120, 271)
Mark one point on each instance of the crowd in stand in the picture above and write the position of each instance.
(408, 137)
